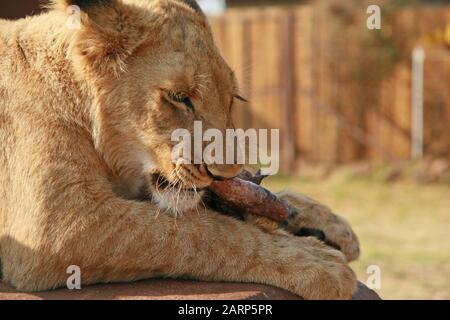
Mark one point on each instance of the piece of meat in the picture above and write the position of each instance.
(244, 195)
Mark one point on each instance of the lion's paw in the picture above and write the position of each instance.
(313, 219)
(318, 272)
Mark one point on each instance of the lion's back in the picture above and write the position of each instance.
(28, 86)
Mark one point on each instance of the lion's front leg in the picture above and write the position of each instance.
(314, 219)
(125, 240)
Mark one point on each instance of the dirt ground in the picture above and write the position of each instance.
(404, 228)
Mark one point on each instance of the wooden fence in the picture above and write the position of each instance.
(300, 70)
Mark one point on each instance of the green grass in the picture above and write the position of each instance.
(403, 227)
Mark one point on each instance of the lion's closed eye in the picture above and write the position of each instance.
(180, 99)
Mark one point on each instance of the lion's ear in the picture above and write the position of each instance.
(107, 34)
(194, 5)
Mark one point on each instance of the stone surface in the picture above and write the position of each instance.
(168, 290)
(364, 293)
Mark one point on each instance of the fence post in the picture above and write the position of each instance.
(418, 59)
(288, 91)
(246, 74)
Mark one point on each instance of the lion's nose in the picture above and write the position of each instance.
(224, 171)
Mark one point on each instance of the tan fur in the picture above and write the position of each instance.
(311, 214)
(84, 125)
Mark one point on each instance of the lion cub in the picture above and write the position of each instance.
(86, 116)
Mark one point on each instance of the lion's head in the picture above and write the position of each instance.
(152, 67)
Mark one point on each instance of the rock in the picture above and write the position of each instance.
(364, 293)
(169, 290)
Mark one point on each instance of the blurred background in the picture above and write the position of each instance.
(364, 117)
